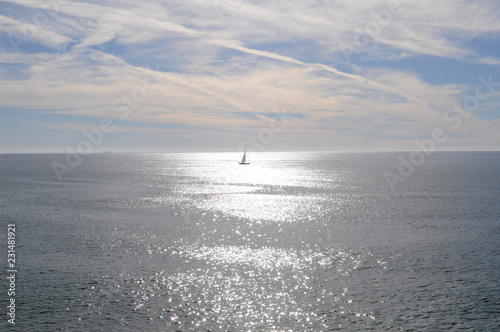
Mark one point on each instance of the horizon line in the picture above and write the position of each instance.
(254, 151)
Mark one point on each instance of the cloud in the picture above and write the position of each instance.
(28, 32)
(489, 61)
(224, 65)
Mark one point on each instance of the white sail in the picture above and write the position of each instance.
(244, 159)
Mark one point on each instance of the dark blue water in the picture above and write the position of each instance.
(291, 242)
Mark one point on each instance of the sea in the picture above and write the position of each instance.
(295, 241)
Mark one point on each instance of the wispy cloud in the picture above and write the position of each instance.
(30, 32)
(335, 63)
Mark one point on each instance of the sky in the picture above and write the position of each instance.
(229, 75)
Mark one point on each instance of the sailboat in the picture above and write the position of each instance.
(244, 159)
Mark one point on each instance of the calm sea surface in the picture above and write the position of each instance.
(291, 242)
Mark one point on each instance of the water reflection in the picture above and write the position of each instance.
(267, 207)
(271, 289)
